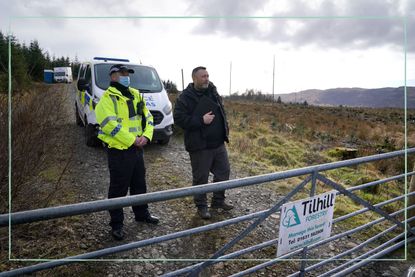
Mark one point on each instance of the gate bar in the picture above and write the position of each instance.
(288, 255)
(107, 204)
(361, 201)
(347, 252)
(371, 258)
(316, 244)
(364, 259)
(195, 271)
(130, 246)
(363, 210)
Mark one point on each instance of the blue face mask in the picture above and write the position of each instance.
(124, 80)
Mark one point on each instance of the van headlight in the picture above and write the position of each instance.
(167, 108)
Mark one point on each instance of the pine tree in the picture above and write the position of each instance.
(170, 86)
(36, 61)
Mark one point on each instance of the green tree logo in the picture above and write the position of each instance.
(291, 218)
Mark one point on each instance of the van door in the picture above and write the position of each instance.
(88, 92)
(80, 95)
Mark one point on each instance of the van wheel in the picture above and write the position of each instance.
(164, 141)
(91, 136)
(77, 117)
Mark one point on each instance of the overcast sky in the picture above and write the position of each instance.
(312, 53)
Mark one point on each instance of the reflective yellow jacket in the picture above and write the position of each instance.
(117, 129)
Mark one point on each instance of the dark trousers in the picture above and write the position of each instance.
(126, 171)
(209, 160)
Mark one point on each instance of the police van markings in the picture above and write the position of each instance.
(150, 101)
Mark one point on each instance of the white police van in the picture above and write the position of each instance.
(94, 79)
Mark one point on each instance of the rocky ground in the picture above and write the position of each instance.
(83, 176)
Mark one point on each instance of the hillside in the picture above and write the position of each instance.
(353, 97)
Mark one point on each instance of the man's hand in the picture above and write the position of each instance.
(208, 118)
(140, 141)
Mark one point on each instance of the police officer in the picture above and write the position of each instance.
(200, 112)
(126, 126)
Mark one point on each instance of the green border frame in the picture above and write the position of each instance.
(12, 18)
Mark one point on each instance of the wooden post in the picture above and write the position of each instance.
(182, 80)
(273, 80)
(230, 79)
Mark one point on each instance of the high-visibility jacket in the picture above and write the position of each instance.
(117, 129)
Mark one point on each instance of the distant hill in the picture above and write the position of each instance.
(353, 97)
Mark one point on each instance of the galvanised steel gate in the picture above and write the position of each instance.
(312, 174)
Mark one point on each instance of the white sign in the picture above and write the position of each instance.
(305, 221)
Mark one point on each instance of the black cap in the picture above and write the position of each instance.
(120, 67)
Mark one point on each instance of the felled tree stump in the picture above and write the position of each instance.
(343, 153)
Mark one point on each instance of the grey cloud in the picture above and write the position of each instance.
(62, 36)
(332, 33)
(244, 28)
(220, 7)
(69, 8)
(56, 8)
(84, 38)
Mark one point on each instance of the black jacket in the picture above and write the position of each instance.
(194, 128)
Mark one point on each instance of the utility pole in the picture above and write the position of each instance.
(273, 80)
(230, 78)
(182, 80)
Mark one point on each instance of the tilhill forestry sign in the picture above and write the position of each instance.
(305, 221)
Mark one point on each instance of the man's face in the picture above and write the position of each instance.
(201, 79)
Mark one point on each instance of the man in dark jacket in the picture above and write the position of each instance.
(199, 111)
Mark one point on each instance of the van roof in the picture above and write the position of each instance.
(111, 59)
(100, 60)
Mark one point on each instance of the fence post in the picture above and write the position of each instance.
(411, 199)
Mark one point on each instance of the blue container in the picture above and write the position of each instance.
(48, 76)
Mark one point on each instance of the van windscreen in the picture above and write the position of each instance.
(144, 78)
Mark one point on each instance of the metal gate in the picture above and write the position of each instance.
(311, 174)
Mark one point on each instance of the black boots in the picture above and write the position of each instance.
(221, 205)
(148, 219)
(203, 213)
(118, 234)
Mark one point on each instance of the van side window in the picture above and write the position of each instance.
(88, 79)
(88, 74)
(82, 71)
